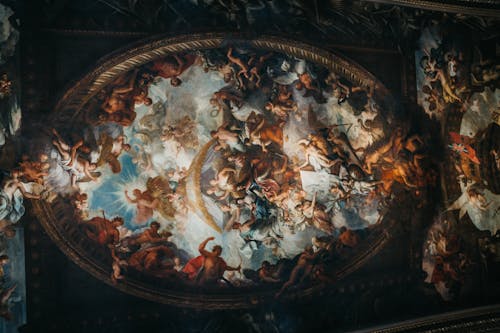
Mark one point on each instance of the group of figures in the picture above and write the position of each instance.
(26, 181)
(14, 185)
(286, 164)
(459, 79)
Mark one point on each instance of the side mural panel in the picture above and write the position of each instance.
(12, 265)
(458, 81)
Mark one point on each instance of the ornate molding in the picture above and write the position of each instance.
(481, 319)
(469, 7)
(156, 47)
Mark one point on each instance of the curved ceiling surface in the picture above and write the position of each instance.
(219, 170)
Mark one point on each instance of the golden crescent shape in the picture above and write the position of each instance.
(193, 186)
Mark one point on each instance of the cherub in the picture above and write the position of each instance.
(145, 204)
(387, 151)
(261, 133)
(242, 167)
(35, 171)
(256, 67)
(120, 99)
(434, 98)
(223, 99)
(340, 91)
(315, 156)
(244, 68)
(176, 176)
(280, 110)
(178, 202)
(225, 181)
(315, 214)
(117, 266)
(302, 269)
(11, 194)
(306, 82)
(477, 198)
(285, 96)
(428, 63)
(77, 167)
(119, 117)
(226, 139)
(173, 66)
(234, 211)
(226, 71)
(448, 94)
(81, 204)
(140, 96)
(111, 149)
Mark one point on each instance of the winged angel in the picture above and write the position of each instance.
(159, 196)
(482, 206)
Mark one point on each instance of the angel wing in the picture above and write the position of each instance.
(106, 144)
(460, 204)
(159, 188)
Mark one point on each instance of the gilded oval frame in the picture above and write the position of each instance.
(59, 226)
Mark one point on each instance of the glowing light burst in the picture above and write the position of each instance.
(128, 182)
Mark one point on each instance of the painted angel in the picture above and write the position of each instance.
(482, 206)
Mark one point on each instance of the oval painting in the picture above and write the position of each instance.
(218, 170)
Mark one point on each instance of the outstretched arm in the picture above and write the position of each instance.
(87, 172)
(129, 199)
(152, 204)
(73, 151)
(237, 61)
(201, 248)
(25, 193)
(306, 162)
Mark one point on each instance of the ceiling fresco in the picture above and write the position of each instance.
(458, 83)
(226, 166)
(12, 242)
(299, 165)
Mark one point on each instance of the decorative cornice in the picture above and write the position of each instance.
(469, 7)
(156, 47)
(479, 319)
